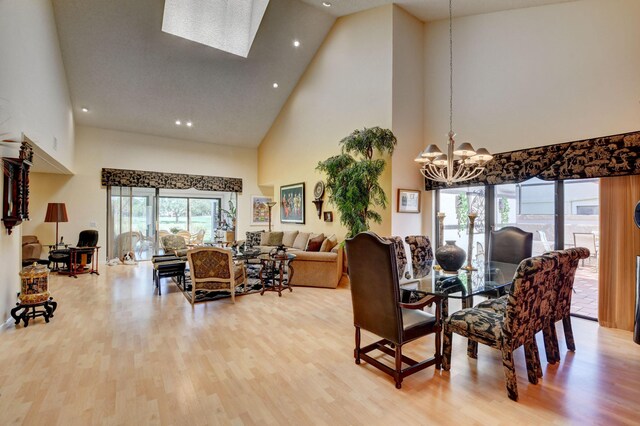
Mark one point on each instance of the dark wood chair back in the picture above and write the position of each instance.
(375, 290)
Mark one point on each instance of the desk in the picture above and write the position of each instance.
(79, 259)
(276, 272)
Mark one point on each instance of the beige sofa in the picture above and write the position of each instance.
(311, 268)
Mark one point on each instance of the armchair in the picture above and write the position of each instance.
(174, 244)
(76, 258)
(509, 246)
(213, 269)
(375, 294)
(31, 249)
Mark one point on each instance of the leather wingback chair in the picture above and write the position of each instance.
(87, 238)
(375, 294)
(507, 248)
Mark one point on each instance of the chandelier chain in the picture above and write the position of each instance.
(450, 67)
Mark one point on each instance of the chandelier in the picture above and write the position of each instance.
(459, 164)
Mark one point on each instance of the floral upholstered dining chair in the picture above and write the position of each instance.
(421, 255)
(213, 269)
(528, 309)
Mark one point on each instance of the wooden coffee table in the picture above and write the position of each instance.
(276, 272)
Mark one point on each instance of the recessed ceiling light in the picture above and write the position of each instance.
(296, 43)
(178, 122)
(85, 109)
(189, 124)
(275, 85)
(326, 4)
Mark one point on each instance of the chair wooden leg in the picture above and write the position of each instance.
(568, 333)
(356, 352)
(446, 350)
(510, 373)
(532, 368)
(398, 372)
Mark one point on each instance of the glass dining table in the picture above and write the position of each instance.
(487, 279)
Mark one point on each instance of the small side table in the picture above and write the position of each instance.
(276, 272)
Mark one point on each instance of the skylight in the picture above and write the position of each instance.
(229, 25)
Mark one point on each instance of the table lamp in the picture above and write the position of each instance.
(56, 212)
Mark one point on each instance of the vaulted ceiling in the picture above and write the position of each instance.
(131, 76)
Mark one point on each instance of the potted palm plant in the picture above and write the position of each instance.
(353, 177)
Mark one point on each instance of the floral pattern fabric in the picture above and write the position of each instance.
(421, 255)
(253, 238)
(401, 256)
(617, 155)
(147, 179)
(528, 307)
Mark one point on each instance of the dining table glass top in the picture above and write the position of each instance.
(487, 278)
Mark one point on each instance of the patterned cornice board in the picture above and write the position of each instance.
(147, 179)
(617, 155)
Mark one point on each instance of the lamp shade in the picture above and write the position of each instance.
(56, 212)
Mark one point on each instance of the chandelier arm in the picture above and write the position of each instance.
(429, 175)
(435, 173)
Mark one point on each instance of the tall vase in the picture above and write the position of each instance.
(450, 257)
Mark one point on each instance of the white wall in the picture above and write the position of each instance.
(10, 246)
(34, 100)
(407, 116)
(347, 86)
(536, 76)
(86, 199)
(34, 97)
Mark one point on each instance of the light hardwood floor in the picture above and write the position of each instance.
(115, 353)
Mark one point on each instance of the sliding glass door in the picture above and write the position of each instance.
(131, 223)
(559, 214)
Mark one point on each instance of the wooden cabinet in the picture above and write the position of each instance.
(15, 197)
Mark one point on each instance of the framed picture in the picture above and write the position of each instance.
(259, 209)
(292, 203)
(408, 201)
(328, 216)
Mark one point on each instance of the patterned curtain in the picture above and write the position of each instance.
(147, 179)
(619, 246)
(617, 155)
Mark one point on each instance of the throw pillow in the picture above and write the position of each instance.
(264, 238)
(301, 240)
(275, 239)
(329, 243)
(315, 243)
(289, 237)
(253, 238)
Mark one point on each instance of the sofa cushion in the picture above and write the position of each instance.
(289, 237)
(253, 238)
(301, 240)
(329, 243)
(315, 242)
(271, 238)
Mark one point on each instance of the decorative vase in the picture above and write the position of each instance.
(450, 257)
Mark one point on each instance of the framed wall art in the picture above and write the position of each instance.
(292, 203)
(259, 209)
(328, 216)
(408, 201)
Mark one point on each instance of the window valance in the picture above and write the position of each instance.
(617, 155)
(147, 179)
